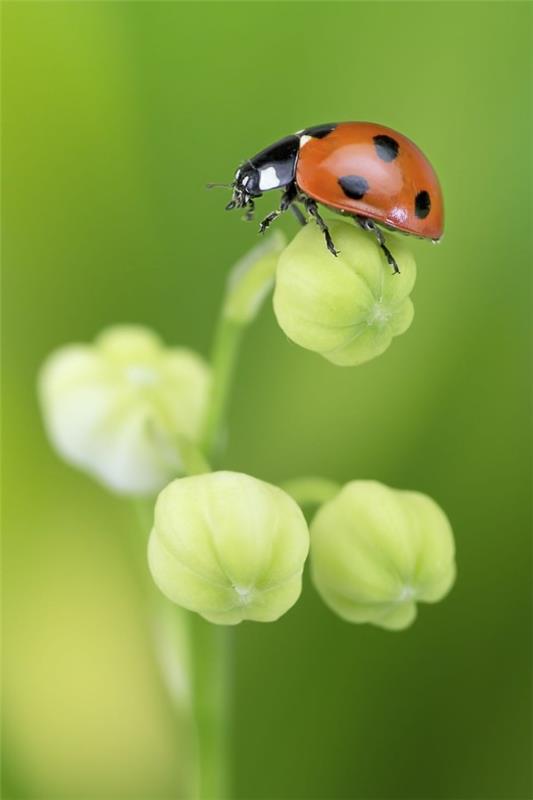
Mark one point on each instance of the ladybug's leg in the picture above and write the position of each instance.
(369, 225)
(298, 214)
(250, 211)
(297, 198)
(268, 220)
(287, 199)
(311, 206)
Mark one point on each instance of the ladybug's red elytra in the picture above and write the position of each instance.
(363, 170)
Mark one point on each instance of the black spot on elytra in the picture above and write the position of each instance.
(354, 186)
(422, 204)
(319, 131)
(387, 148)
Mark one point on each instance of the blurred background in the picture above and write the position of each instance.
(116, 115)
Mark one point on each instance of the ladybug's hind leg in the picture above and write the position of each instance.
(369, 225)
(312, 208)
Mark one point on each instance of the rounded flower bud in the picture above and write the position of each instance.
(348, 308)
(229, 547)
(376, 552)
(118, 408)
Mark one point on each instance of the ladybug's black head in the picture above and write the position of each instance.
(245, 186)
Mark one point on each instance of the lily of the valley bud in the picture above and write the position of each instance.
(376, 552)
(229, 547)
(118, 408)
(348, 308)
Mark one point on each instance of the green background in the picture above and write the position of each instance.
(115, 116)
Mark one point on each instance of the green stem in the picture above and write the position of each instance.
(210, 648)
(248, 284)
(311, 491)
(225, 352)
(193, 459)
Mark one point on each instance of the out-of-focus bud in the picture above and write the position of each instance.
(118, 408)
(376, 552)
(348, 308)
(229, 547)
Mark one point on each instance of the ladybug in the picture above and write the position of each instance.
(362, 170)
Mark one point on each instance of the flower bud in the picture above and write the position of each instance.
(118, 408)
(376, 552)
(229, 547)
(348, 308)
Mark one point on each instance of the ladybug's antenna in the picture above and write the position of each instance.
(219, 186)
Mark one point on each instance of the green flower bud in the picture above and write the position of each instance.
(118, 408)
(348, 308)
(376, 552)
(229, 547)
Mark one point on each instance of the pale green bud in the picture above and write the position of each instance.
(376, 552)
(118, 408)
(348, 308)
(229, 547)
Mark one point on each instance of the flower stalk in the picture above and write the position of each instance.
(248, 284)
(211, 689)
(226, 348)
(210, 645)
(311, 491)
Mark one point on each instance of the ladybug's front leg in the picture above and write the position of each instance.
(287, 198)
(250, 211)
(312, 208)
(268, 220)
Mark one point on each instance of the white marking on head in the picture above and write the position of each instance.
(268, 179)
(304, 140)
